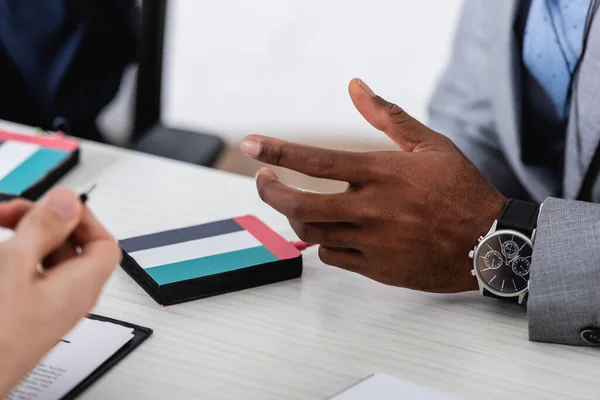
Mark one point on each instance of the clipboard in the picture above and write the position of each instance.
(140, 334)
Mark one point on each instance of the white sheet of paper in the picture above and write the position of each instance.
(82, 350)
(385, 387)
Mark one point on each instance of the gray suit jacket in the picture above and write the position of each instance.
(477, 105)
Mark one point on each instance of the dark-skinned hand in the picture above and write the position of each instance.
(408, 218)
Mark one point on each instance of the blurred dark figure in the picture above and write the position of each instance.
(61, 61)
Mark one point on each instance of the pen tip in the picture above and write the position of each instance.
(92, 187)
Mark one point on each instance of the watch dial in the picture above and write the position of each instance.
(493, 259)
(510, 249)
(502, 262)
(520, 266)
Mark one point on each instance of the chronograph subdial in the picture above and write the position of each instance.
(510, 249)
(493, 259)
(520, 266)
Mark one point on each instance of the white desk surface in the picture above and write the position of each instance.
(306, 338)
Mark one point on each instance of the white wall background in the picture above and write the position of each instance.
(281, 67)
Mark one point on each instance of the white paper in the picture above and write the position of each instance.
(385, 387)
(81, 351)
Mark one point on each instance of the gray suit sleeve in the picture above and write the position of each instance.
(564, 295)
(461, 106)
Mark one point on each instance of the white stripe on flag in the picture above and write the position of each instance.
(13, 154)
(193, 249)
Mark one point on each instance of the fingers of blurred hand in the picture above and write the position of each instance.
(90, 229)
(49, 224)
(84, 275)
(79, 280)
(15, 262)
(330, 234)
(64, 252)
(322, 163)
(14, 255)
(303, 206)
(12, 211)
(348, 259)
(92, 232)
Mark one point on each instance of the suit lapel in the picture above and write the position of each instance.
(584, 119)
(506, 73)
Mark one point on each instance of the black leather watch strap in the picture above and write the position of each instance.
(520, 216)
(487, 293)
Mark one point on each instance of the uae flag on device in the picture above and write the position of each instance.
(29, 164)
(203, 260)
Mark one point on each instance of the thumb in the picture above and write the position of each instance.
(49, 223)
(408, 133)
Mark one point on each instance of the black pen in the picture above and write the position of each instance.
(86, 194)
(83, 197)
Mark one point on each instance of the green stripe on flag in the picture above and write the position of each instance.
(212, 265)
(31, 170)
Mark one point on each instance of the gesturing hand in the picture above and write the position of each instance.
(37, 309)
(408, 218)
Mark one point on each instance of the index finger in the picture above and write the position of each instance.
(12, 211)
(314, 161)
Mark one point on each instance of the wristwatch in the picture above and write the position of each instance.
(502, 257)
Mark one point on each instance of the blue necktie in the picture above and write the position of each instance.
(553, 25)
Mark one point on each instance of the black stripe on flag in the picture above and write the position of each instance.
(181, 235)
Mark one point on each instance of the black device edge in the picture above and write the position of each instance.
(140, 334)
(231, 281)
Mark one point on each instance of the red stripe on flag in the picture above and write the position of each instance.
(281, 248)
(48, 141)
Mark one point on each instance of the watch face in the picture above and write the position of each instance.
(502, 262)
